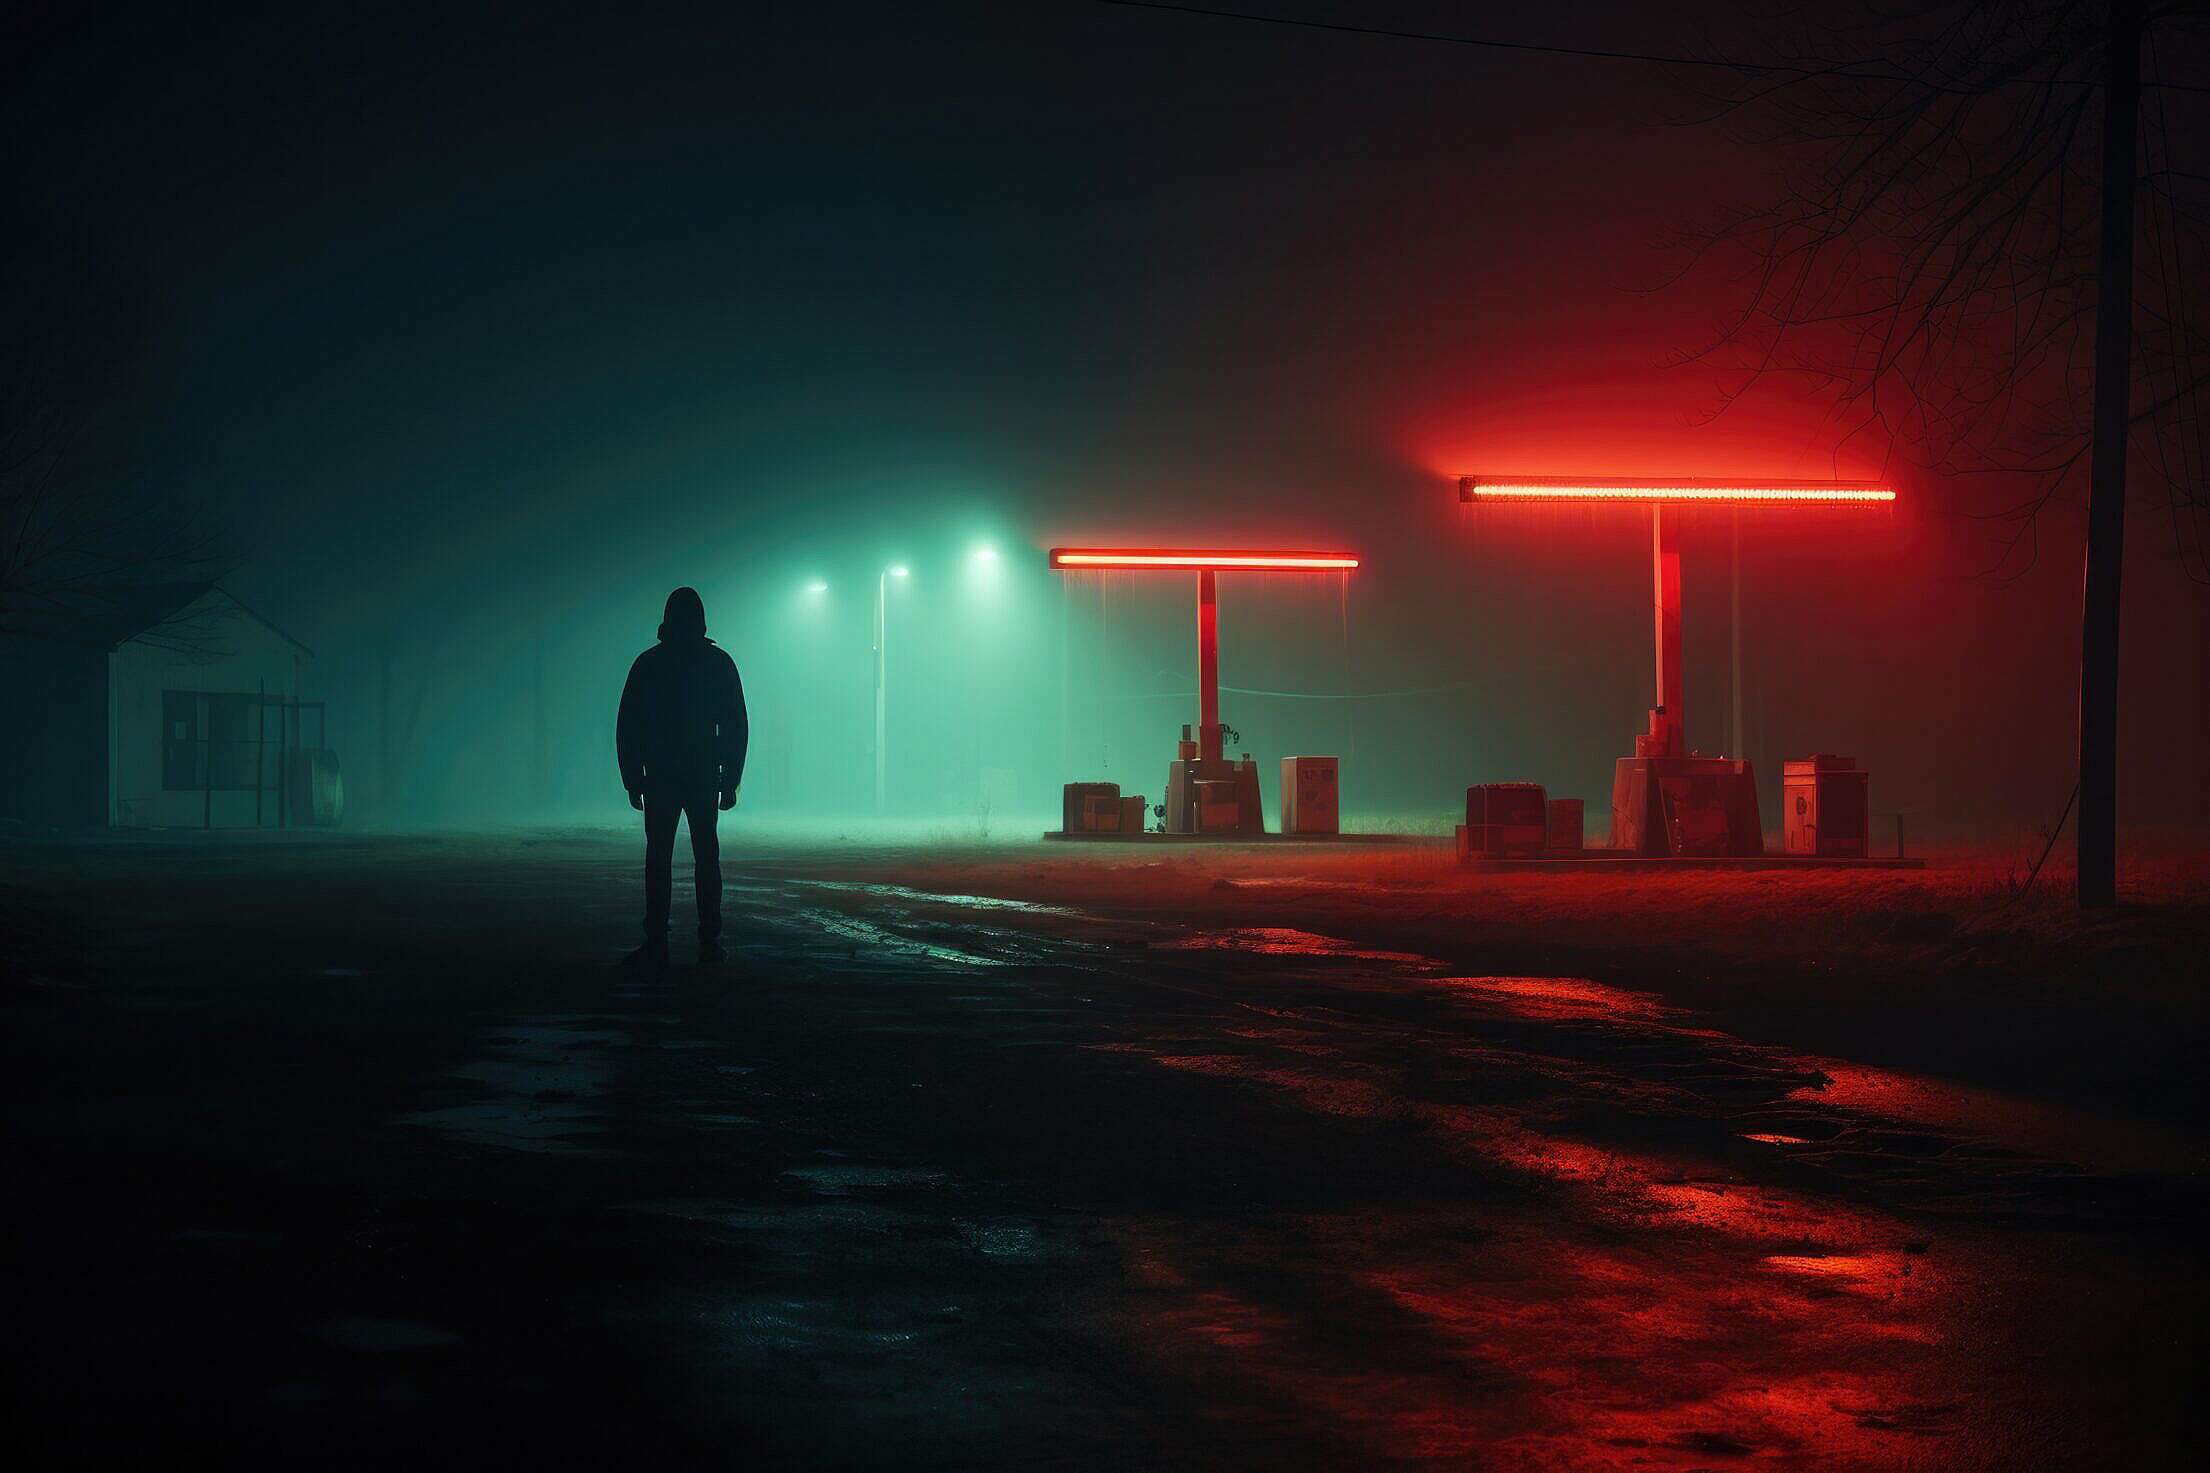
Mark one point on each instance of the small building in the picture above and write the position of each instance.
(174, 706)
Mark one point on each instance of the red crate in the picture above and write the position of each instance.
(1074, 801)
(1506, 819)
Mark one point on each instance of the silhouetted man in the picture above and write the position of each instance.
(681, 737)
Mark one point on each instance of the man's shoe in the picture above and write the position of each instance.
(650, 957)
(710, 952)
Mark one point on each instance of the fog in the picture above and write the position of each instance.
(488, 334)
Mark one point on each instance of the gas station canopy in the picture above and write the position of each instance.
(1137, 558)
(1205, 563)
(1203, 760)
(1667, 724)
(1670, 489)
(1640, 786)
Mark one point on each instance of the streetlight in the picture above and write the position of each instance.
(882, 587)
(817, 585)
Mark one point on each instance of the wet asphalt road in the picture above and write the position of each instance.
(375, 1157)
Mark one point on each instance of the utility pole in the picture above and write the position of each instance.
(2106, 491)
(882, 723)
(882, 682)
(387, 763)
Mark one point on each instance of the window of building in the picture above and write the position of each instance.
(180, 740)
(212, 739)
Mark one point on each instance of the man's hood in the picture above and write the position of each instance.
(684, 618)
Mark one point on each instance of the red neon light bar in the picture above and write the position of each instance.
(1202, 561)
(1599, 488)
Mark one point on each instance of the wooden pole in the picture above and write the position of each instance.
(2106, 492)
(260, 744)
(387, 782)
(882, 722)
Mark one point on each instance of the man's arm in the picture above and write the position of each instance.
(626, 743)
(734, 729)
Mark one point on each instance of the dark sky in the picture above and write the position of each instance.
(487, 328)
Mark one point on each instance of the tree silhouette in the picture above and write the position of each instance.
(90, 540)
(1967, 256)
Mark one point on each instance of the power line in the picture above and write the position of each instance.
(1756, 68)
(1487, 43)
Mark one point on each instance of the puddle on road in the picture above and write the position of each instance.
(1547, 1349)
(866, 935)
(1288, 941)
(930, 897)
(1680, 1298)
(1870, 1272)
(2051, 1131)
(1559, 997)
(1620, 1097)
(1548, 998)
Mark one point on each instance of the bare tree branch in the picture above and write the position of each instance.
(1927, 260)
(92, 543)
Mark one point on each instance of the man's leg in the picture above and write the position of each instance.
(706, 854)
(661, 813)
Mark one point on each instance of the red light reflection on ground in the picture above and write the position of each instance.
(1625, 1241)
(1547, 1350)
(1559, 997)
(1286, 941)
(1643, 1186)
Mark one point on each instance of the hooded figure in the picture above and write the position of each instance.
(680, 738)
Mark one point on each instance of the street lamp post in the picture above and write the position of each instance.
(882, 588)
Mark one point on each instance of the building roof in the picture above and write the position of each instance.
(100, 616)
(261, 619)
(108, 616)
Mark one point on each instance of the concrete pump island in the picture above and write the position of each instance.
(1671, 808)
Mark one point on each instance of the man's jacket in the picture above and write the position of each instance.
(682, 726)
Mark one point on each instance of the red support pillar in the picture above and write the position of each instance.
(1208, 666)
(1668, 722)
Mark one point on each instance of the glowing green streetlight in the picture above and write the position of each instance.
(985, 571)
(817, 585)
